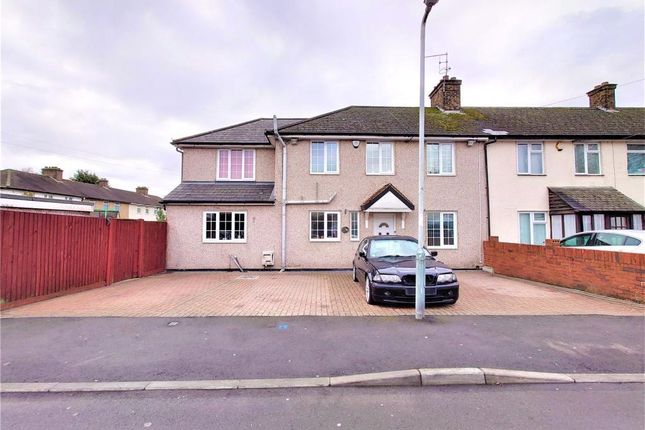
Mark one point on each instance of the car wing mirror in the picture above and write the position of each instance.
(362, 254)
(434, 253)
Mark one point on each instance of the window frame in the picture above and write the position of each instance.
(325, 226)
(528, 158)
(217, 220)
(325, 158)
(380, 159)
(441, 235)
(634, 151)
(218, 175)
(353, 238)
(586, 162)
(532, 223)
(452, 157)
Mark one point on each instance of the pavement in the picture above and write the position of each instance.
(572, 406)
(185, 294)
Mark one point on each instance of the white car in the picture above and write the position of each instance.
(608, 240)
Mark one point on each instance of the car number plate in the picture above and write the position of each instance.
(430, 291)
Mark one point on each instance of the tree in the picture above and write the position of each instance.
(161, 215)
(85, 176)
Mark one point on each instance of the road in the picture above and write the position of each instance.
(122, 349)
(578, 406)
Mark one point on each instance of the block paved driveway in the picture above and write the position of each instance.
(183, 294)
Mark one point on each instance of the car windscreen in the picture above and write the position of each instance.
(393, 248)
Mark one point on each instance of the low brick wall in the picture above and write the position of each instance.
(615, 274)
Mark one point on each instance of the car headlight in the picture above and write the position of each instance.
(445, 278)
(393, 279)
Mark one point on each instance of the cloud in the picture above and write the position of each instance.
(106, 85)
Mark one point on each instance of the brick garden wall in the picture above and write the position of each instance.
(615, 274)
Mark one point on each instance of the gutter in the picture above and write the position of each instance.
(283, 222)
(493, 140)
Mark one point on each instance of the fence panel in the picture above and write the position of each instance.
(44, 255)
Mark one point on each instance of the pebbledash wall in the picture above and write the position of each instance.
(458, 193)
(615, 274)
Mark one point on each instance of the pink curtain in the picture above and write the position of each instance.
(223, 164)
(248, 165)
(236, 165)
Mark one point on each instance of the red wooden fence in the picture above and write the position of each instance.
(45, 255)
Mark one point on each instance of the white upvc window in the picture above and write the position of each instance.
(354, 226)
(219, 227)
(379, 158)
(441, 229)
(587, 158)
(324, 226)
(532, 227)
(236, 165)
(635, 159)
(324, 158)
(440, 159)
(530, 158)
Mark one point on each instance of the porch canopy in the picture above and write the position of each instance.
(387, 199)
(567, 200)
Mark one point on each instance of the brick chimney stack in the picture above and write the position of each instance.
(53, 172)
(446, 94)
(603, 96)
(142, 190)
(103, 183)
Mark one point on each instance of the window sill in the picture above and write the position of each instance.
(441, 174)
(324, 240)
(380, 174)
(531, 174)
(235, 180)
(439, 248)
(588, 174)
(635, 174)
(223, 241)
(324, 173)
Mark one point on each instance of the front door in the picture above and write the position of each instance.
(384, 223)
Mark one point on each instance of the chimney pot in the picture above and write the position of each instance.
(142, 190)
(603, 96)
(446, 94)
(103, 183)
(53, 172)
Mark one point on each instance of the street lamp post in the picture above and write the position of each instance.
(420, 284)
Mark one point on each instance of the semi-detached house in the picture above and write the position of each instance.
(306, 191)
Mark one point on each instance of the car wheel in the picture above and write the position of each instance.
(354, 277)
(368, 291)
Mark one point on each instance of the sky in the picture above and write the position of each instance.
(106, 85)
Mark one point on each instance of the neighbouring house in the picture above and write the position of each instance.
(303, 193)
(51, 193)
(553, 172)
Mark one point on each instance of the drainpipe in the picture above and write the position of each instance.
(493, 140)
(178, 149)
(283, 222)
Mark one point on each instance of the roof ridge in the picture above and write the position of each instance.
(315, 117)
(216, 130)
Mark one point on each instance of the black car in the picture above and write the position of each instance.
(387, 267)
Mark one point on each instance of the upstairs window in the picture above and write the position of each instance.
(379, 159)
(530, 158)
(635, 159)
(236, 165)
(587, 157)
(324, 158)
(440, 158)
